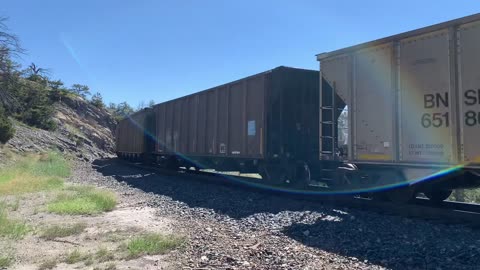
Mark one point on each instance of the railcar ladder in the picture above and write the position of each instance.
(327, 122)
(328, 132)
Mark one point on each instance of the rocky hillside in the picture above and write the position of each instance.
(83, 130)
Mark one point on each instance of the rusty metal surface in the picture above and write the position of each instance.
(221, 121)
(131, 133)
(231, 120)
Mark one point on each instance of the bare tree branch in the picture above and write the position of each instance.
(9, 48)
(9, 43)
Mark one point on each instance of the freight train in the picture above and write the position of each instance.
(413, 103)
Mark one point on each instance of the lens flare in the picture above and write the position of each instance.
(76, 58)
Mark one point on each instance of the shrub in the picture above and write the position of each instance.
(6, 128)
(40, 117)
(97, 101)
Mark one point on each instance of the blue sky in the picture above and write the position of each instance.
(141, 50)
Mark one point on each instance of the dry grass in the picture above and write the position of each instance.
(48, 264)
(56, 231)
(104, 255)
(77, 256)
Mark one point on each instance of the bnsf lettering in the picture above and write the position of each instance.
(472, 97)
(435, 119)
(435, 100)
(472, 118)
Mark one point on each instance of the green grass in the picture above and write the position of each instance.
(151, 244)
(77, 256)
(104, 255)
(11, 228)
(34, 173)
(50, 164)
(5, 261)
(83, 200)
(56, 231)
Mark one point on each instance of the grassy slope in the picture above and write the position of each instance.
(34, 173)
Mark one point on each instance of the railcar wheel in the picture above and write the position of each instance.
(172, 164)
(301, 176)
(273, 174)
(438, 195)
(401, 195)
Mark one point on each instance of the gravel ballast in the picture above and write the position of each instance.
(232, 228)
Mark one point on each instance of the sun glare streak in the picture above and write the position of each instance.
(76, 58)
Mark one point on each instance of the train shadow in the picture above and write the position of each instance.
(221, 198)
(393, 242)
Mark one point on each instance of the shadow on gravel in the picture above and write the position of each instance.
(393, 242)
(223, 199)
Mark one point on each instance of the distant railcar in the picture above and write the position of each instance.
(135, 135)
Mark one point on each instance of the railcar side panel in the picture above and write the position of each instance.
(160, 135)
(184, 126)
(255, 117)
(236, 122)
(177, 126)
(201, 143)
(169, 110)
(223, 124)
(337, 71)
(192, 126)
(212, 122)
(469, 100)
(426, 99)
(374, 93)
(131, 133)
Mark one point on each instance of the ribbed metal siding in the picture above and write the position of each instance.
(224, 121)
(131, 133)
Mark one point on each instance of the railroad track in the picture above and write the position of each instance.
(447, 212)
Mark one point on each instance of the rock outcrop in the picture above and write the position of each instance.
(83, 130)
